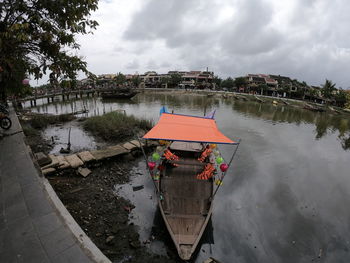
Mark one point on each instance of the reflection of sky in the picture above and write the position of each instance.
(80, 140)
(286, 197)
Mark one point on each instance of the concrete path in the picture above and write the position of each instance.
(31, 227)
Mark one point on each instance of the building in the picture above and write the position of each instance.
(183, 79)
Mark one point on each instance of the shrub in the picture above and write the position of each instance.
(116, 126)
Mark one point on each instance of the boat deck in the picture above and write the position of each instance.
(186, 200)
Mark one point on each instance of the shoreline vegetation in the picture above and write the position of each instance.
(252, 97)
(116, 126)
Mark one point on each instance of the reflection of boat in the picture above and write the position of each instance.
(121, 93)
(186, 175)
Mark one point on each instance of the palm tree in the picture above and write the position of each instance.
(327, 89)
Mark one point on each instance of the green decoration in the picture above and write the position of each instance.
(156, 156)
(219, 160)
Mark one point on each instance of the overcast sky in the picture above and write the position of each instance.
(305, 39)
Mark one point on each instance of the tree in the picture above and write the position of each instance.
(327, 89)
(217, 80)
(347, 104)
(120, 78)
(228, 83)
(240, 82)
(341, 98)
(136, 80)
(175, 79)
(38, 37)
(262, 88)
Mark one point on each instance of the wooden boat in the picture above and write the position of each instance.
(186, 203)
(185, 198)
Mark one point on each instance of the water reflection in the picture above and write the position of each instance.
(324, 122)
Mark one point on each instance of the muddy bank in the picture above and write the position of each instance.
(102, 214)
(33, 125)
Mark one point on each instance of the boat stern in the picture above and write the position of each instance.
(185, 252)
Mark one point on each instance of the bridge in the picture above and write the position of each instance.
(64, 94)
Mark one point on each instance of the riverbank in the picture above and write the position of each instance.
(303, 104)
(93, 202)
(103, 215)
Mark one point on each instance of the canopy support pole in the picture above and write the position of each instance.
(229, 165)
(149, 170)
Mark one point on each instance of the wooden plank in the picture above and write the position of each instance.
(186, 239)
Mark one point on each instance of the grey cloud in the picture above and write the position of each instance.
(250, 31)
(152, 65)
(134, 65)
(167, 20)
(312, 47)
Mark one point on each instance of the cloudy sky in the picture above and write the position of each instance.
(304, 39)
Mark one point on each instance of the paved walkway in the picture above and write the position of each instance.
(31, 229)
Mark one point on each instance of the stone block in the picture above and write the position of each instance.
(54, 161)
(64, 165)
(109, 152)
(86, 156)
(48, 171)
(84, 171)
(42, 159)
(74, 161)
(137, 143)
(129, 146)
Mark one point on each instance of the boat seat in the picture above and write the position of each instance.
(186, 239)
(187, 162)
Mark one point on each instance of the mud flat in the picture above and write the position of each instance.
(102, 214)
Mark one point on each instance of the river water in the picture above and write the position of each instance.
(285, 199)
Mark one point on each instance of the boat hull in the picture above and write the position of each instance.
(185, 251)
(185, 202)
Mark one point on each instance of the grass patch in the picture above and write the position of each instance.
(116, 126)
(29, 131)
(40, 121)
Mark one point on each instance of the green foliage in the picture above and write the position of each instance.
(240, 82)
(116, 126)
(41, 121)
(341, 98)
(228, 83)
(347, 103)
(120, 78)
(136, 80)
(262, 88)
(37, 37)
(175, 79)
(327, 89)
(217, 80)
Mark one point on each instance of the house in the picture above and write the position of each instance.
(151, 79)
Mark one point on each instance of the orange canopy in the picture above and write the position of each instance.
(176, 127)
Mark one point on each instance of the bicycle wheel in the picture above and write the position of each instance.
(5, 123)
